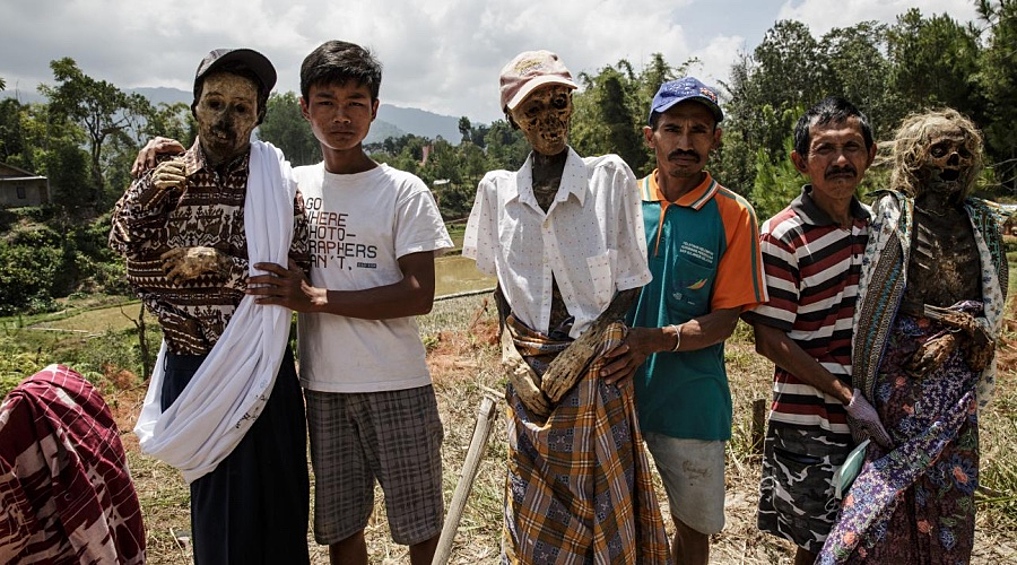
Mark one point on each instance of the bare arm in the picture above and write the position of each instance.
(775, 345)
(410, 296)
(697, 333)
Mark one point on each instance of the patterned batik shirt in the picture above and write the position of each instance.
(208, 212)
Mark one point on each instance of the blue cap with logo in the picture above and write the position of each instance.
(686, 88)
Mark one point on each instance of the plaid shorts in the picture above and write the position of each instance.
(394, 437)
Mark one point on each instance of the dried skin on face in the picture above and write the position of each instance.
(949, 164)
(544, 118)
(227, 113)
(938, 151)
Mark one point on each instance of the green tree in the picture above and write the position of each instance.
(465, 128)
(777, 181)
(101, 110)
(935, 63)
(286, 128)
(14, 148)
(998, 76)
(507, 148)
(861, 72)
(604, 119)
(67, 167)
(172, 120)
(734, 162)
(792, 71)
(31, 260)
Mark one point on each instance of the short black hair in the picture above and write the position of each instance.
(337, 62)
(832, 109)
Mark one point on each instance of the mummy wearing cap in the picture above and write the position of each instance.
(563, 235)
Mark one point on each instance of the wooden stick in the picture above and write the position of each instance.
(758, 431)
(485, 417)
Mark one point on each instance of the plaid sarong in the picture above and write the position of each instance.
(66, 496)
(579, 488)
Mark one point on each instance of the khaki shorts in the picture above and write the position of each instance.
(693, 474)
(393, 437)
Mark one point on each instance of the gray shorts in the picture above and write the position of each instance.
(394, 437)
(796, 495)
(693, 474)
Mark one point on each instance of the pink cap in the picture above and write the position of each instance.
(529, 70)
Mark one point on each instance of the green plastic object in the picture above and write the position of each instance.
(847, 472)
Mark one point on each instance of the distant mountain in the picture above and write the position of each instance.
(422, 122)
(392, 121)
(163, 95)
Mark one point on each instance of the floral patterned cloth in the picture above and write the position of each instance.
(915, 504)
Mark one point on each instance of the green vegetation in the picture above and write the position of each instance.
(464, 357)
(86, 134)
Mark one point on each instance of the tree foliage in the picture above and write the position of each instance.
(85, 136)
(286, 128)
(102, 111)
(998, 73)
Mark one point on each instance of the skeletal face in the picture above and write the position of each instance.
(949, 164)
(227, 113)
(544, 116)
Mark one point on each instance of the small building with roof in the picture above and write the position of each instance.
(20, 188)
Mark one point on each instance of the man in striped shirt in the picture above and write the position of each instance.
(812, 254)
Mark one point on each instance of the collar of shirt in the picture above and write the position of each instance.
(806, 207)
(573, 182)
(195, 160)
(695, 198)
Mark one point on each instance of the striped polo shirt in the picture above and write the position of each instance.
(812, 271)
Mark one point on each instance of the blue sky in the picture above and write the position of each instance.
(439, 55)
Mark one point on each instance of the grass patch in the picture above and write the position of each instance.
(461, 337)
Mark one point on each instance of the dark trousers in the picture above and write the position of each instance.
(253, 507)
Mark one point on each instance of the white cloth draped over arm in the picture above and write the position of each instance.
(232, 386)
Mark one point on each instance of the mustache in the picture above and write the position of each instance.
(846, 170)
(683, 153)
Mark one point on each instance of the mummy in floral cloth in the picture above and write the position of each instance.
(932, 297)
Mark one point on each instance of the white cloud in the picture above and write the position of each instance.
(818, 15)
(716, 59)
(441, 55)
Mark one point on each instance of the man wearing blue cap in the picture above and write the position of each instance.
(702, 243)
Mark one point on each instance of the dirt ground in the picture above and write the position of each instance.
(460, 336)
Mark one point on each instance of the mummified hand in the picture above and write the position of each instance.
(182, 264)
(932, 354)
(976, 343)
(524, 380)
(528, 390)
(570, 365)
(169, 174)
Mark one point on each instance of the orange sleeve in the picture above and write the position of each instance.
(740, 278)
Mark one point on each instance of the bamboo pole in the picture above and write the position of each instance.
(481, 433)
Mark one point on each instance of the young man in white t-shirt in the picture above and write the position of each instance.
(375, 232)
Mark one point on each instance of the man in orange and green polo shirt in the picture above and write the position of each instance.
(702, 242)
